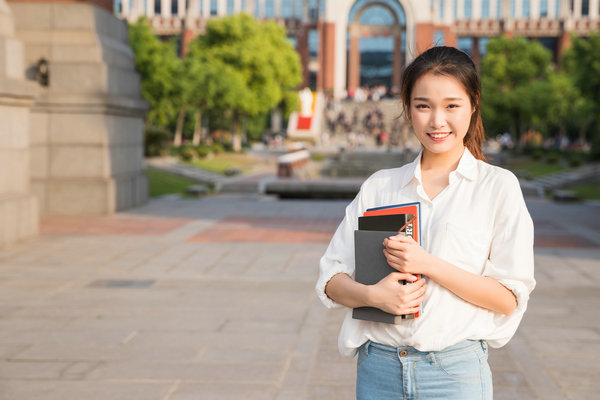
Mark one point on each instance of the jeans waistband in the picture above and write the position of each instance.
(407, 351)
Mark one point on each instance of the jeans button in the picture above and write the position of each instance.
(403, 353)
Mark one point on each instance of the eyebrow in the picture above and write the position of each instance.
(446, 99)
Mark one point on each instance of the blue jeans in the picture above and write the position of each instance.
(458, 372)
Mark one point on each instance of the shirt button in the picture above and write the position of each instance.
(403, 353)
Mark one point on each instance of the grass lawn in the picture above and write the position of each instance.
(589, 191)
(162, 183)
(221, 162)
(537, 169)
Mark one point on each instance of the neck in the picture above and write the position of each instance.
(442, 162)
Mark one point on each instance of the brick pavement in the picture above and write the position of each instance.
(214, 299)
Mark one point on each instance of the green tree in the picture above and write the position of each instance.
(513, 73)
(259, 66)
(157, 63)
(582, 63)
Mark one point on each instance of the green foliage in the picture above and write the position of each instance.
(155, 141)
(513, 74)
(157, 63)
(254, 67)
(187, 153)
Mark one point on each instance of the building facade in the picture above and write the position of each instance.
(344, 44)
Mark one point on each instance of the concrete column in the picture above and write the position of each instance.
(460, 9)
(261, 8)
(87, 126)
(125, 8)
(534, 9)
(194, 8)
(354, 62)
(181, 11)
(237, 6)
(476, 10)
(505, 11)
(594, 9)
(577, 9)
(150, 8)
(278, 9)
(493, 9)
(518, 9)
(221, 7)
(436, 10)
(18, 206)
(305, 11)
(165, 8)
(206, 8)
(448, 12)
(552, 8)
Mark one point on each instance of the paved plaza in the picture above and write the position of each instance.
(213, 299)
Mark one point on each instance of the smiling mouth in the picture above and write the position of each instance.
(438, 136)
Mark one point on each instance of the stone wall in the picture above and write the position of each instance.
(87, 125)
(18, 206)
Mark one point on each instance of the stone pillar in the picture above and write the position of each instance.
(87, 125)
(18, 205)
(354, 60)
(398, 62)
(325, 76)
(594, 9)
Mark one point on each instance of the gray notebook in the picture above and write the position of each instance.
(371, 267)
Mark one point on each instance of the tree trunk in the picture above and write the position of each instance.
(236, 140)
(197, 138)
(179, 127)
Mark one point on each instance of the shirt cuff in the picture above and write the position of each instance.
(520, 291)
(324, 278)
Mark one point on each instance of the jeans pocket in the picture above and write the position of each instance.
(461, 366)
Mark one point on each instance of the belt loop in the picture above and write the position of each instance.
(367, 348)
(484, 345)
(431, 357)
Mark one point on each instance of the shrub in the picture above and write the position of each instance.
(218, 148)
(203, 150)
(537, 154)
(156, 141)
(575, 160)
(187, 153)
(552, 158)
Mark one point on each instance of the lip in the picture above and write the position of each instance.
(440, 136)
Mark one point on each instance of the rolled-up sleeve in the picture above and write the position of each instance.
(511, 260)
(339, 256)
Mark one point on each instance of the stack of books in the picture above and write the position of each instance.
(374, 226)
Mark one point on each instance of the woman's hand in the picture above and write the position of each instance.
(405, 255)
(395, 298)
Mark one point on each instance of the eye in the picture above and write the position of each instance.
(421, 106)
(453, 106)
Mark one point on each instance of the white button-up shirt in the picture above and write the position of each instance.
(479, 223)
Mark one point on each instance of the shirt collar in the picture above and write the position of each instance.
(467, 167)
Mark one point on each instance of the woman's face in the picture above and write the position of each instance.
(440, 113)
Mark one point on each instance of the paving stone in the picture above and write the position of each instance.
(220, 391)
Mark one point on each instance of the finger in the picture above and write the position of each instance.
(402, 276)
(402, 238)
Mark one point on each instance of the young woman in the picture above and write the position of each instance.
(475, 257)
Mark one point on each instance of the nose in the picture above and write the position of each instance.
(438, 118)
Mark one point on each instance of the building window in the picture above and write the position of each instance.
(455, 9)
(585, 7)
(213, 7)
(543, 8)
(526, 8)
(286, 9)
(298, 11)
(269, 9)
(313, 10)
(465, 44)
(230, 7)
(439, 39)
(442, 6)
(174, 7)
(483, 42)
(485, 9)
(468, 8)
(513, 8)
(118, 7)
(499, 9)
(557, 9)
(313, 42)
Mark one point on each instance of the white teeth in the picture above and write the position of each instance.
(438, 135)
